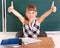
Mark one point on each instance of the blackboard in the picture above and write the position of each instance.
(1, 16)
(51, 23)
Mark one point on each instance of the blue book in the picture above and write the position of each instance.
(11, 41)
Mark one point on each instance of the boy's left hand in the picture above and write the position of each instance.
(53, 7)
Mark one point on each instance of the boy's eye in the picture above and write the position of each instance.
(32, 12)
(28, 12)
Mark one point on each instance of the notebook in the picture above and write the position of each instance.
(29, 40)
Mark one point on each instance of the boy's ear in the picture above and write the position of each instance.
(36, 13)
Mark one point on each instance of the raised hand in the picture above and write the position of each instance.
(11, 8)
(53, 7)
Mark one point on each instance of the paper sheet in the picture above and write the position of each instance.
(29, 40)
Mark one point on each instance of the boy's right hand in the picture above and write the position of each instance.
(53, 7)
(11, 8)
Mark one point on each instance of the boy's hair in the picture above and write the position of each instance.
(31, 8)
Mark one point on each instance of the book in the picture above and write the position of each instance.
(11, 41)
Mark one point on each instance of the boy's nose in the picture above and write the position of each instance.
(30, 14)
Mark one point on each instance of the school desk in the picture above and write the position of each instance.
(47, 42)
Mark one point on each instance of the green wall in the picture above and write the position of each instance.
(51, 23)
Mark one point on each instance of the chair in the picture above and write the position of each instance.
(20, 34)
(43, 33)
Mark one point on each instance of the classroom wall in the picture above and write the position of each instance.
(51, 23)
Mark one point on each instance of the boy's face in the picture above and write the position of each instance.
(31, 14)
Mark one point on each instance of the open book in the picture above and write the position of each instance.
(30, 40)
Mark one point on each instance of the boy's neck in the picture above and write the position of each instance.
(31, 21)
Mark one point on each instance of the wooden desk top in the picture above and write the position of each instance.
(47, 42)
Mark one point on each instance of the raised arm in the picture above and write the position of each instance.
(17, 14)
(52, 9)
